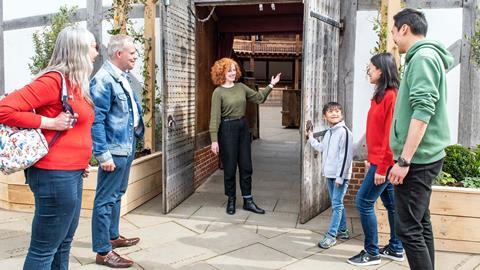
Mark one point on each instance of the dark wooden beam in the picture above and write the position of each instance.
(271, 24)
(346, 65)
(434, 3)
(375, 4)
(2, 48)
(241, 2)
(456, 50)
(94, 25)
(469, 112)
(81, 15)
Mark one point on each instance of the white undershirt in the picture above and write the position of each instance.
(126, 84)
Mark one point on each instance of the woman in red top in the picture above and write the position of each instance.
(56, 179)
(383, 73)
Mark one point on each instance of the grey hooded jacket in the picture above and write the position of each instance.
(337, 152)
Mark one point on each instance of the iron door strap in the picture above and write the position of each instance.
(327, 20)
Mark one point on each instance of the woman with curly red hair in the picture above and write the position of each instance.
(229, 129)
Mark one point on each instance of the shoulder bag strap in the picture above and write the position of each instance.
(66, 106)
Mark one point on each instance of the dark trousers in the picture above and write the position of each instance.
(106, 207)
(58, 198)
(234, 142)
(412, 223)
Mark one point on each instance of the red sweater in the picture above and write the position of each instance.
(73, 148)
(379, 121)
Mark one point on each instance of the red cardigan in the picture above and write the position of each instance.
(73, 148)
(379, 121)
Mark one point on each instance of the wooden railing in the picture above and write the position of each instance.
(267, 47)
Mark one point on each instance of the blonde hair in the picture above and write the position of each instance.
(71, 57)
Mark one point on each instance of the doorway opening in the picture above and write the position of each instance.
(264, 40)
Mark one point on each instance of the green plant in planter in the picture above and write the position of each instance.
(444, 179)
(44, 41)
(471, 182)
(460, 162)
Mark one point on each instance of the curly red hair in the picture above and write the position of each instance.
(220, 68)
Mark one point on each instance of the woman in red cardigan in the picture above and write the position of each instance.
(56, 179)
(383, 73)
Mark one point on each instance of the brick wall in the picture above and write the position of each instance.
(358, 173)
(206, 163)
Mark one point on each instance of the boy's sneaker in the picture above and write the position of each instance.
(344, 235)
(387, 252)
(328, 241)
(363, 258)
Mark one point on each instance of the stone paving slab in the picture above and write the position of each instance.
(199, 235)
(296, 243)
(279, 219)
(254, 257)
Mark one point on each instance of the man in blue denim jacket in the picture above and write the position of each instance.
(118, 122)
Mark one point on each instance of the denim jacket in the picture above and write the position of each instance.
(112, 130)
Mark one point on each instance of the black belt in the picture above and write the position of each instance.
(231, 118)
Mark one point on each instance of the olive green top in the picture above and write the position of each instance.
(231, 102)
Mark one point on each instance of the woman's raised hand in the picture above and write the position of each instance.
(275, 79)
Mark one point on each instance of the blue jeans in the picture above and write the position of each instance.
(339, 218)
(366, 197)
(106, 207)
(58, 198)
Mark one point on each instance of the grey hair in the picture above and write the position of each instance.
(71, 57)
(117, 43)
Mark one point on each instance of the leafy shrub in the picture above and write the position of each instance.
(444, 179)
(471, 182)
(44, 41)
(460, 162)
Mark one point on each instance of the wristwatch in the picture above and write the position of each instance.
(403, 162)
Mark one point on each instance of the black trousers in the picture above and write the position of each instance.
(235, 149)
(412, 220)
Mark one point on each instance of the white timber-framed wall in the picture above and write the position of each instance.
(357, 39)
(18, 24)
(450, 21)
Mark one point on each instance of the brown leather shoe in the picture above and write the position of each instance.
(124, 242)
(113, 260)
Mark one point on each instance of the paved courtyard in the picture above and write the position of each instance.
(199, 235)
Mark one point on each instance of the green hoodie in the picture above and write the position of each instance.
(423, 96)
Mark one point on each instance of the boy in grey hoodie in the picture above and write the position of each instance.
(337, 152)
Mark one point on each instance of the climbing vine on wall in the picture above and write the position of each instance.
(119, 16)
(123, 25)
(474, 40)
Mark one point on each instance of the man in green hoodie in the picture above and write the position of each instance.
(419, 134)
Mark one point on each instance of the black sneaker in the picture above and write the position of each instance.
(387, 252)
(363, 258)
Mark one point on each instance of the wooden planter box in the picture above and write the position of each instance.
(145, 182)
(455, 218)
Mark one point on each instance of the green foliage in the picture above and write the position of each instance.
(474, 40)
(471, 182)
(380, 28)
(444, 179)
(93, 161)
(145, 43)
(461, 162)
(44, 41)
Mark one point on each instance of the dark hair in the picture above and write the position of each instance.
(415, 19)
(389, 77)
(330, 106)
